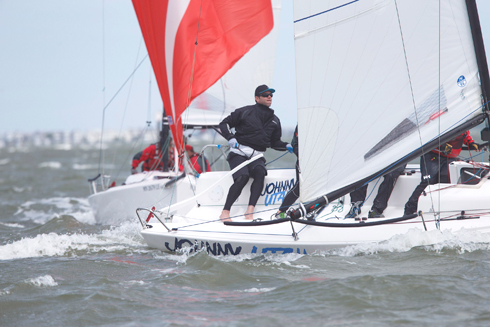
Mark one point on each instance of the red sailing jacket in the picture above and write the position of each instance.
(151, 158)
(456, 144)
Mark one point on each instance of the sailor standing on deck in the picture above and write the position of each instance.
(256, 129)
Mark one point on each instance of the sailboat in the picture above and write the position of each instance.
(112, 205)
(379, 83)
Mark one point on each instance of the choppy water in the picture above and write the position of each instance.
(57, 268)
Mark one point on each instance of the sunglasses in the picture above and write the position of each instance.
(266, 95)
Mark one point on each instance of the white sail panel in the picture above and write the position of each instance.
(375, 81)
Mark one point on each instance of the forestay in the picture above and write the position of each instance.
(375, 81)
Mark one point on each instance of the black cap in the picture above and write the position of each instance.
(262, 88)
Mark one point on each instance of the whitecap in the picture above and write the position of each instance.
(111, 240)
(258, 290)
(78, 208)
(4, 292)
(134, 282)
(4, 161)
(84, 167)
(42, 281)
(50, 164)
(435, 240)
(77, 166)
(13, 225)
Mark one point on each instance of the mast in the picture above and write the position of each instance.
(164, 142)
(481, 57)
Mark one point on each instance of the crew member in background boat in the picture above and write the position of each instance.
(199, 163)
(434, 167)
(171, 155)
(380, 203)
(152, 158)
(256, 129)
(293, 193)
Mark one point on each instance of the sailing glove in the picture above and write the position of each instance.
(289, 147)
(233, 143)
(473, 146)
(134, 171)
(446, 149)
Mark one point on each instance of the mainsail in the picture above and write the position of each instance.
(192, 43)
(377, 80)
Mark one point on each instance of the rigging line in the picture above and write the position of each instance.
(439, 108)
(236, 216)
(107, 105)
(410, 83)
(408, 72)
(138, 139)
(162, 150)
(101, 153)
(189, 92)
(188, 175)
(221, 117)
(129, 77)
(124, 112)
(148, 114)
(325, 11)
(277, 158)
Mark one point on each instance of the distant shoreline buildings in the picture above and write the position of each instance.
(91, 139)
(16, 140)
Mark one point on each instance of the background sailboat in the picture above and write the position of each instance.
(205, 110)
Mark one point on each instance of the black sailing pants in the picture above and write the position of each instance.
(432, 166)
(384, 191)
(293, 193)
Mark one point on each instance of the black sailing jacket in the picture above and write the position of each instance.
(255, 126)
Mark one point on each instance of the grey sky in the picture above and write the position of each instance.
(53, 76)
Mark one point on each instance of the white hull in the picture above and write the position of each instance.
(143, 190)
(200, 228)
(218, 239)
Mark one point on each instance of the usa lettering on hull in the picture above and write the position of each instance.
(275, 192)
(279, 250)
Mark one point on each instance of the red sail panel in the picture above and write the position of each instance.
(224, 30)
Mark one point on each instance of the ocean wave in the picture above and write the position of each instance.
(258, 290)
(435, 240)
(21, 189)
(42, 210)
(124, 238)
(50, 164)
(42, 281)
(12, 225)
(92, 166)
(84, 167)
